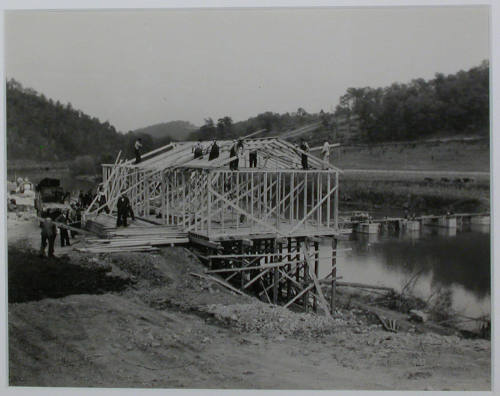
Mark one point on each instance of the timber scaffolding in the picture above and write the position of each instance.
(258, 228)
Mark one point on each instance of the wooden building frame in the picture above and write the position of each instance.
(258, 227)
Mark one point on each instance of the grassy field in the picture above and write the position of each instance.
(450, 156)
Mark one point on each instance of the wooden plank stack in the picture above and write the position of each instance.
(140, 236)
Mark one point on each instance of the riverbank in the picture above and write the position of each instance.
(418, 192)
(424, 177)
(140, 320)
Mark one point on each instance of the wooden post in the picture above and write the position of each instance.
(289, 269)
(305, 195)
(297, 260)
(209, 209)
(328, 175)
(252, 202)
(316, 269)
(292, 195)
(318, 213)
(334, 275)
(183, 199)
(265, 194)
(163, 198)
(278, 199)
(312, 199)
(336, 202)
(306, 279)
(275, 277)
(146, 197)
(237, 195)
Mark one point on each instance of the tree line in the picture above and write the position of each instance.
(453, 104)
(41, 129)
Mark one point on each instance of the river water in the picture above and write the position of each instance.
(457, 260)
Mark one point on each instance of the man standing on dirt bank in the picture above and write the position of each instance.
(63, 232)
(123, 206)
(49, 233)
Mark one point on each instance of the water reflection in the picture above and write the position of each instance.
(454, 259)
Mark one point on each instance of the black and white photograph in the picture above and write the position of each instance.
(254, 198)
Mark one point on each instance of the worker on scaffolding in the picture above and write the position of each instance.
(325, 151)
(233, 153)
(214, 151)
(198, 150)
(123, 207)
(304, 147)
(138, 147)
(252, 157)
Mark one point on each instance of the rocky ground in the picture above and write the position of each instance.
(140, 320)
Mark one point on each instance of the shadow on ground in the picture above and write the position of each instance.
(32, 278)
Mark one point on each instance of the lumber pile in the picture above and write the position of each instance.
(138, 237)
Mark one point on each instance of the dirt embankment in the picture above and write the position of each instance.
(140, 320)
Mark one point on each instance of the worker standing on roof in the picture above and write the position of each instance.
(304, 147)
(138, 147)
(198, 150)
(233, 165)
(252, 157)
(214, 151)
(325, 150)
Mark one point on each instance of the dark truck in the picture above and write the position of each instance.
(50, 197)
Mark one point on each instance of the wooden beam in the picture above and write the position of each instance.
(322, 299)
(220, 281)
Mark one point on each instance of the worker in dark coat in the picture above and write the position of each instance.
(75, 218)
(123, 206)
(49, 233)
(236, 151)
(304, 147)
(253, 158)
(101, 201)
(198, 150)
(214, 151)
(63, 218)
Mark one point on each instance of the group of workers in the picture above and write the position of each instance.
(50, 228)
(236, 152)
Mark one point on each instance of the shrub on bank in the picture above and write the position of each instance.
(83, 165)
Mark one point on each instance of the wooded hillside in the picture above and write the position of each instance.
(41, 129)
(458, 104)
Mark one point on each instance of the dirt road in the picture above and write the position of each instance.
(166, 329)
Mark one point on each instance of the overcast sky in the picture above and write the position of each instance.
(138, 68)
